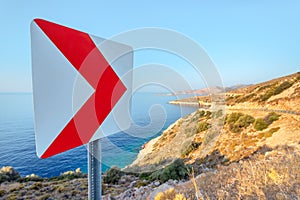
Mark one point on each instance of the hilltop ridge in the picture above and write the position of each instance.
(280, 97)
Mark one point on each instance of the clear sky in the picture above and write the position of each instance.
(249, 41)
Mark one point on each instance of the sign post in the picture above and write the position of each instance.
(94, 170)
(81, 92)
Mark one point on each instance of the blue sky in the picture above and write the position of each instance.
(249, 41)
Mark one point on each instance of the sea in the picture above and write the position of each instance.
(17, 139)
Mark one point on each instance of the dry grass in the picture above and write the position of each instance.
(269, 174)
(169, 194)
(63, 189)
(191, 174)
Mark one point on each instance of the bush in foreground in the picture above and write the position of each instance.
(169, 194)
(112, 176)
(176, 171)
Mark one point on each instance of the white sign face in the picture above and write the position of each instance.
(81, 87)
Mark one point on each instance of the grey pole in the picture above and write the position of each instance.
(94, 170)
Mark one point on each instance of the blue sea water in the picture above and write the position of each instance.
(17, 141)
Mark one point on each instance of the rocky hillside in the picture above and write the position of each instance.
(281, 93)
(69, 185)
(261, 116)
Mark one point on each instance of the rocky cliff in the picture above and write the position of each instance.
(257, 117)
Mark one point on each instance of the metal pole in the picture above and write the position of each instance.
(94, 170)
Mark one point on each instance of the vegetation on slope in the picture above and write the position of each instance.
(276, 90)
(69, 185)
(268, 174)
(238, 121)
(261, 93)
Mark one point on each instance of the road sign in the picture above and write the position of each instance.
(81, 87)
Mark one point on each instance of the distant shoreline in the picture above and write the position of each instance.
(182, 103)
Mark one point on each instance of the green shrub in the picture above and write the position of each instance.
(246, 98)
(276, 90)
(267, 95)
(176, 171)
(244, 121)
(203, 126)
(145, 175)
(298, 77)
(260, 124)
(201, 113)
(186, 151)
(271, 117)
(113, 175)
(235, 128)
(8, 173)
(233, 117)
(283, 86)
(238, 121)
(264, 87)
(3, 178)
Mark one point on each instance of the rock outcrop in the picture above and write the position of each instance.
(8, 173)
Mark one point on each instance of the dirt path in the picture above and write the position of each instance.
(268, 110)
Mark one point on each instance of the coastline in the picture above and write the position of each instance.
(184, 103)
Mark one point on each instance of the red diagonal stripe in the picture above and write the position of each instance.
(84, 122)
(109, 91)
(78, 48)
